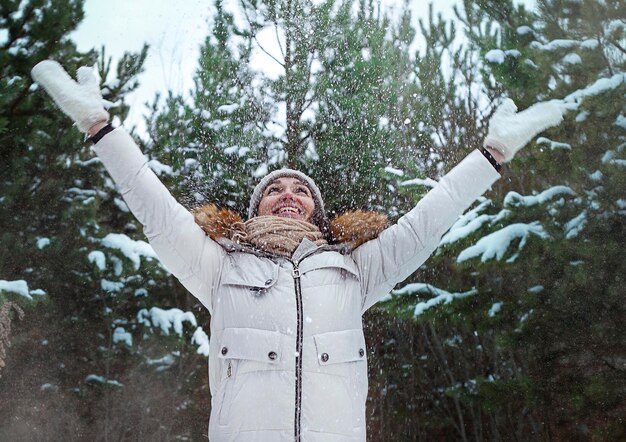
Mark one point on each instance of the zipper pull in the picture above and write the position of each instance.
(295, 273)
(229, 370)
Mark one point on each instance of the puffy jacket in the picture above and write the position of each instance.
(288, 359)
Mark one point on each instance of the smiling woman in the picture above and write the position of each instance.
(287, 353)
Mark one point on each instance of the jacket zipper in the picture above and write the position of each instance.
(299, 341)
(295, 273)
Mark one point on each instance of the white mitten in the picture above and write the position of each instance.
(509, 131)
(81, 101)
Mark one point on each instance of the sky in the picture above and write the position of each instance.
(175, 30)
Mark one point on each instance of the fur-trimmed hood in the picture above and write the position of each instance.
(348, 230)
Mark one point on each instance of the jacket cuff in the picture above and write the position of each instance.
(473, 176)
(121, 157)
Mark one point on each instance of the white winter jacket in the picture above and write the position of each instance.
(287, 353)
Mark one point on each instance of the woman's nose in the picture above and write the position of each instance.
(288, 195)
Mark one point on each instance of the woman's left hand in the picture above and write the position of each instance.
(510, 130)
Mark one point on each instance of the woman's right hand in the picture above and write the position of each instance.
(81, 101)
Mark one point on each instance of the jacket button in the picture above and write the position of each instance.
(324, 357)
(224, 350)
(361, 352)
(269, 281)
(272, 355)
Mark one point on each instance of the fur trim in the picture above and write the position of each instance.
(356, 227)
(214, 221)
(352, 228)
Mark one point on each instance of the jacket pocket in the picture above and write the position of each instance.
(340, 347)
(251, 344)
(342, 369)
(257, 274)
(243, 351)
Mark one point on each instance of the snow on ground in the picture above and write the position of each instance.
(496, 244)
(20, 287)
(514, 199)
(440, 296)
(130, 248)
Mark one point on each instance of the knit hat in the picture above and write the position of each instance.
(319, 215)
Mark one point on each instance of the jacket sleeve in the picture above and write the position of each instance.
(180, 243)
(403, 247)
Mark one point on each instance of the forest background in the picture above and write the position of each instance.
(512, 331)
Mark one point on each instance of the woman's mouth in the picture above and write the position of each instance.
(288, 212)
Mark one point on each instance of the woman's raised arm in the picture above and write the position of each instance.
(402, 248)
(180, 243)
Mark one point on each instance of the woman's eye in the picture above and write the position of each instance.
(302, 190)
(273, 189)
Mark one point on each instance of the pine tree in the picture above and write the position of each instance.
(216, 143)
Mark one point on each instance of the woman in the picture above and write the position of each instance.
(287, 355)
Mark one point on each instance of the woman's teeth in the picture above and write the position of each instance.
(286, 210)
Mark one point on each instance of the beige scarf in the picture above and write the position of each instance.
(275, 234)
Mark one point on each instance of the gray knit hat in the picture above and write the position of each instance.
(319, 215)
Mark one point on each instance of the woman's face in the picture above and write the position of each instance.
(287, 197)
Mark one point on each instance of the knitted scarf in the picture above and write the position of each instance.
(274, 234)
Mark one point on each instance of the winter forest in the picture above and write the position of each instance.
(512, 331)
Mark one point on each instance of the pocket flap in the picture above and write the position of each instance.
(251, 344)
(339, 347)
(329, 260)
(251, 271)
